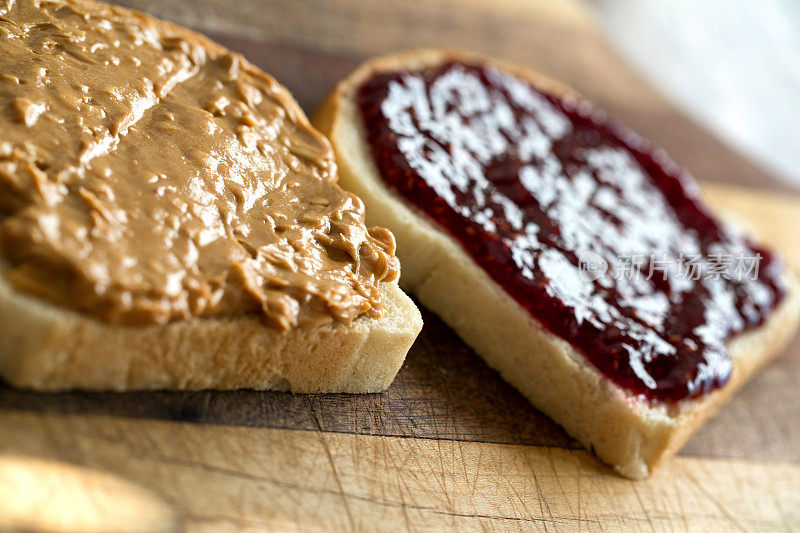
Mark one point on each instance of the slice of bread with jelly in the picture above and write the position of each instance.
(572, 256)
(169, 219)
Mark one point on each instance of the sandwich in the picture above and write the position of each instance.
(169, 219)
(575, 258)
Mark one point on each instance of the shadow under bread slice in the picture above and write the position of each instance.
(573, 256)
(170, 219)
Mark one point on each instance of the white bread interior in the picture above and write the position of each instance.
(47, 347)
(629, 434)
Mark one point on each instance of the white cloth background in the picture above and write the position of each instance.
(733, 64)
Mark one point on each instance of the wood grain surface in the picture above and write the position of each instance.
(218, 478)
(449, 444)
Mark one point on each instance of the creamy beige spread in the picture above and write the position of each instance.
(148, 175)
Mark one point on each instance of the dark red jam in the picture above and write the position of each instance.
(600, 237)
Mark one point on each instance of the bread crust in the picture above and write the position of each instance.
(46, 347)
(628, 433)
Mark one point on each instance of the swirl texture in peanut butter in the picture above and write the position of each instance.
(148, 175)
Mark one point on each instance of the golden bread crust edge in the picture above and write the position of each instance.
(625, 432)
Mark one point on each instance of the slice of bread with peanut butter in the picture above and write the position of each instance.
(170, 220)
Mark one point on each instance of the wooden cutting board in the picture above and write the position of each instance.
(449, 444)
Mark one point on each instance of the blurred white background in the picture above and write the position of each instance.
(732, 64)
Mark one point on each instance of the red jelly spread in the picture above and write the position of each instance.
(600, 237)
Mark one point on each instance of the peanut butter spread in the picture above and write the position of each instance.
(148, 175)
